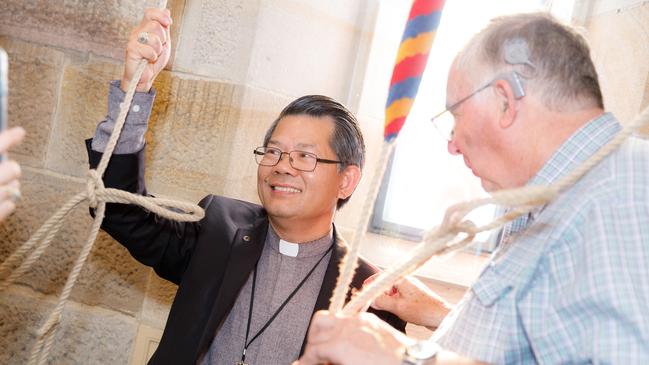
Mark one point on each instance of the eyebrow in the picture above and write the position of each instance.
(299, 145)
(305, 145)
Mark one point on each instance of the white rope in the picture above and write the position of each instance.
(97, 196)
(444, 239)
(349, 263)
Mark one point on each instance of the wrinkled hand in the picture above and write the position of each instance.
(412, 301)
(156, 51)
(361, 339)
(9, 171)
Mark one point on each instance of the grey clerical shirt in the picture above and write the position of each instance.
(278, 274)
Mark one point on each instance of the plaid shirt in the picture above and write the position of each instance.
(569, 283)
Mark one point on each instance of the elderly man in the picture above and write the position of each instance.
(568, 282)
(250, 277)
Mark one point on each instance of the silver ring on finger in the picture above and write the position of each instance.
(143, 37)
(12, 192)
(15, 195)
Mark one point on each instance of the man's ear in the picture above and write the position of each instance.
(349, 179)
(508, 102)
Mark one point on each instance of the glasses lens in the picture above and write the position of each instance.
(267, 156)
(444, 123)
(304, 161)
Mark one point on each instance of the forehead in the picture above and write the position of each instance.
(303, 131)
(458, 81)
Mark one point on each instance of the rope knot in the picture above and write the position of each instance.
(93, 184)
(467, 227)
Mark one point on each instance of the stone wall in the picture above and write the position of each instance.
(236, 65)
(619, 35)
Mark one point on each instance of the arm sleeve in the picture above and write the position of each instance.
(131, 139)
(165, 245)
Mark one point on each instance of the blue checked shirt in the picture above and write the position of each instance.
(569, 283)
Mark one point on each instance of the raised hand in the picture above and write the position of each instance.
(149, 40)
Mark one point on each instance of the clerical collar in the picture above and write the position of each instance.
(312, 248)
(288, 248)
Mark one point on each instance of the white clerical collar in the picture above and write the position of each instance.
(288, 248)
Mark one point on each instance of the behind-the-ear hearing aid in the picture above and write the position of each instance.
(516, 52)
(516, 83)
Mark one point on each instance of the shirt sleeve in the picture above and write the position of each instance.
(131, 139)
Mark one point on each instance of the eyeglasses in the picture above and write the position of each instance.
(444, 122)
(299, 160)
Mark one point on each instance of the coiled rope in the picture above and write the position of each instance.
(97, 196)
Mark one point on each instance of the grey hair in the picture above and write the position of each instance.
(346, 139)
(559, 69)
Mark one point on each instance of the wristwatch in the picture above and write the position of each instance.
(420, 353)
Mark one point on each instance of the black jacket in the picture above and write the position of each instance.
(209, 260)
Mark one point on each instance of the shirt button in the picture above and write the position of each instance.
(136, 108)
(246, 238)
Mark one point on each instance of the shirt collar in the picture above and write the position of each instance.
(578, 148)
(316, 247)
(581, 145)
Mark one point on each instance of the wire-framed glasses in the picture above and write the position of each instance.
(444, 122)
(299, 160)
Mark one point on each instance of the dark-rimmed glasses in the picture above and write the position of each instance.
(299, 160)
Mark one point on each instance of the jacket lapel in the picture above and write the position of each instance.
(330, 277)
(246, 250)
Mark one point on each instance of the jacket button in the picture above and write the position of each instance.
(246, 238)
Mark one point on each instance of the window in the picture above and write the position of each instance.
(422, 179)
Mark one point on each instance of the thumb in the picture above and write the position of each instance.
(385, 302)
(321, 327)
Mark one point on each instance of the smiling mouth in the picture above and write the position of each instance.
(286, 189)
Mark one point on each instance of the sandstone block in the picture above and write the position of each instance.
(289, 45)
(217, 41)
(76, 341)
(34, 74)
(111, 278)
(157, 302)
(82, 105)
(189, 144)
(622, 79)
(97, 26)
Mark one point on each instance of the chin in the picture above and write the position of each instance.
(279, 210)
(488, 186)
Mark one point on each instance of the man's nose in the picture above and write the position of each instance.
(284, 164)
(452, 147)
